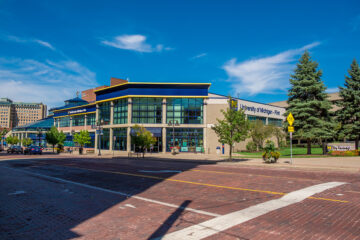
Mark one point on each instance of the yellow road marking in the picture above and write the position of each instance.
(197, 183)
(260, 175)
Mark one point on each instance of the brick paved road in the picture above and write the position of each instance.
(137, 199)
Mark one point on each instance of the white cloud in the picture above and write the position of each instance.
(199, 56)
(28, 40)
(45, 44)
(332, 90)
(263, 75)
(135, 42)
(48, 82)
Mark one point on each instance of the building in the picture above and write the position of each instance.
(177, 114)
(333, 98)
(14, 114)
(35, 131)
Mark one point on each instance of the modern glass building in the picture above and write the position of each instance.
(177, 114)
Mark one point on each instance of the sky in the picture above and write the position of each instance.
(49, 50)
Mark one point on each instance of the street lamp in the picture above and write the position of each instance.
(98, 130)
(173, 123)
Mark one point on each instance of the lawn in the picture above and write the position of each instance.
(285, 152)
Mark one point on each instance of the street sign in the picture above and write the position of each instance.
(291, 129)
(290, 119)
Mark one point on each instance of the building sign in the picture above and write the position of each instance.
(77, 111)
(259, 110)
(233, 104)
(340, 147)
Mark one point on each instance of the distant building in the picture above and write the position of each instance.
(333, 98)
(14, 114)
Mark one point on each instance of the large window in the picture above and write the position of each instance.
(275, 122)
(92, 141)
(120, 111)
(186, 139)
(120, 139)
(104, 112)
(78, 120)
(91, 119)
(146, 110)
(105, 139)
(253, 118)
(185, 110)
(65, 122)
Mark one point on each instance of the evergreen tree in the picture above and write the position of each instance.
(349, 114)
(308, 103)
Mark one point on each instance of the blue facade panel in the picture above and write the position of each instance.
(77, 110)
(153, 90)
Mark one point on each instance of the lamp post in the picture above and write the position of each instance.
(98, 130)
(173, 123)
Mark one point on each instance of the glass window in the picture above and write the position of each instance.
(78, 120)
(64, 122)
(275, 122)
(91, 119)
(104, 112)
(186, 139)
(120, 139)
(105, 139)
(120, 111)
(185, 110)
(92, 141)
(253, 118)
(146, 110)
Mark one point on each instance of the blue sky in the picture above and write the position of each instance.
(51, 49)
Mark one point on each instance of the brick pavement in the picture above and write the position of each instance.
(310, 219)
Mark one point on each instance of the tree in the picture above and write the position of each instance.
(349, 113)
(27, 141)
(279, 134)
(12, 140)
(82, 138)
(308, 103)
(53, 137)
(259, 132)
(143, 138)
(234, 127)
(3, 132)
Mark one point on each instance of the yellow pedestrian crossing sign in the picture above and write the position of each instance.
(290, 119)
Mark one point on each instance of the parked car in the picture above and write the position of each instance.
(33, 150)
(15, 149)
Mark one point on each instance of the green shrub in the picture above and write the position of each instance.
(251, 146)
(270, 155)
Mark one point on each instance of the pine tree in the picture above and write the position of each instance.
(308, 102)
(349, 114)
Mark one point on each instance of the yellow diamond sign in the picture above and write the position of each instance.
(290, 119)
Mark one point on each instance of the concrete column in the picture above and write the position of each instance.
(164, 111)
(111, 113)
(85, 121)
(163, 140)
(205, 144)
(129, 110)
(55, 122)
(70, 125)
(111, 133)
(128, 143)
(97, 119)
(267, 121)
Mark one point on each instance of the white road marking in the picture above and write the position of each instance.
(17, 193)
(218, 224)
(129, 205)
(116, 192)
(160, 171)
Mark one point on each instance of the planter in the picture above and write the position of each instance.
(270, 157)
